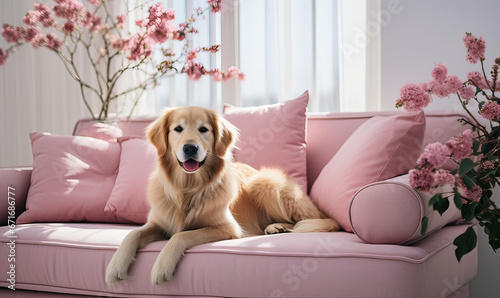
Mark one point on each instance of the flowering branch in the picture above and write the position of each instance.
(71, 24)
(475, 151)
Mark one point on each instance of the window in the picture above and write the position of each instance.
(284, 48)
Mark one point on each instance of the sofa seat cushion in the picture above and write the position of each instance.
(72, 258)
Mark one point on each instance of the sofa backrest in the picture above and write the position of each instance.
(327, 132)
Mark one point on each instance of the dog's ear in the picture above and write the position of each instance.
(157, 133)
(226, 135)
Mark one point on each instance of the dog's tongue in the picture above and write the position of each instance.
(190, 165)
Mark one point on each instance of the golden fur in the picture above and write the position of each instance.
(199, 195)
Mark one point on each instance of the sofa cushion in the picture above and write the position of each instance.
(381, 148)
(273, 135)
(72, 258)
(378, 211)
(100, 130)
(71, 180)
(128, 198)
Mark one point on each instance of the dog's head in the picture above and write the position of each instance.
(193, 138)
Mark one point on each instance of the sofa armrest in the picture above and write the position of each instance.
(14, 185)
(391, 211)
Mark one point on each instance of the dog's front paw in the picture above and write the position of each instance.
(277, 228)
(162, 272)
(116, 272)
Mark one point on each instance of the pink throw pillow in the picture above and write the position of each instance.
(72, 179)
(128, 198)
(273, 135)
(100, 130)
(381, 148)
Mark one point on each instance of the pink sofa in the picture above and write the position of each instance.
(71, 258)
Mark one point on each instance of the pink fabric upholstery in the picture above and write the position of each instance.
(378, 210)
(72, 179)
(381, 148)
(99, 130)
(15, 182)
(72, 258)
(128, 198)
(273, 135)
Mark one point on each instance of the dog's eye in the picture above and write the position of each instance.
(203, 129)
(178, 129)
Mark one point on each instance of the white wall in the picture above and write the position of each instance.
(422, 34)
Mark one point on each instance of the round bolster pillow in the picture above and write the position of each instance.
(391, 211)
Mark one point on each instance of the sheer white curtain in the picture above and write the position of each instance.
(330, 48)
(36, 94)
(288, 47)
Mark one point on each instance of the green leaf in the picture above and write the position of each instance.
(425, 223)
(458, 200)
(478, 90)
(440, 204)
(435, 199)
(494, 233)
(465, 166)
(468, 181)
(485, 148)
(468, 211)
(475, 146)
(465, 243)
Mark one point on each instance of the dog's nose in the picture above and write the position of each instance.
(190, 150)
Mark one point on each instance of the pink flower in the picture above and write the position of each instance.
(31, 18)
(94, 2)
(449, 85)
(192, 55)
(467, 93)
(44, 15)
(11, 34)
(212, 49)
(139, 48)
(141, 23)
(68, 9)
(475, 48)
(158, 15)
(233, 71)
(92, 21)
(216, 75)
(435, 154)
(440, 72)
(460, 145)
(215, 5)
(487, 165)
(3, 56)
(34, 35)
(194, 70)
(179, 35)
(121, 20)
(477, 79)
(121, 44)
(162, 32)
(443, 177)
(490, 110)
(69, 27)
(413, 98)
(421, 179)
(473, 194)
(52, 42)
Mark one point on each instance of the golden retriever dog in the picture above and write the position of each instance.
(199, 195)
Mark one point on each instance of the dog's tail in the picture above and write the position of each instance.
(316, 225)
